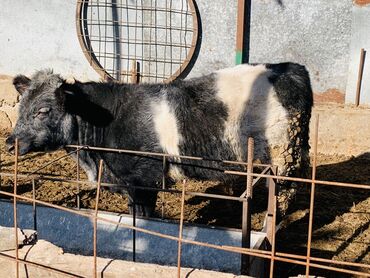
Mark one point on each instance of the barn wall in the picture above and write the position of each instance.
(39, 33)
(323, 35)
(315, 33)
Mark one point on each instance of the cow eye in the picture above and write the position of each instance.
(42, 112)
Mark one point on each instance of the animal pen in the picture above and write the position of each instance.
(265, 249)
(161, 44)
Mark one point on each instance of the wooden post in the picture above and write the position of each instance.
(359, 77)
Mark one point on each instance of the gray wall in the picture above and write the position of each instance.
(36, 34)
(315, 33)
(360, 39)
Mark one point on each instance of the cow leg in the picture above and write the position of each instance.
(142, 202)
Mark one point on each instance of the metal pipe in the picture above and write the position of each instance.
(34, 213)
(95, 269)
(180, 230)
(272, 187)
(247, 204)
(16, 147)
(90, 148)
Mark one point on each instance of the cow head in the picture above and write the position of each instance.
(43, 123)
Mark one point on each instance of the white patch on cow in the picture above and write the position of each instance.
(89, 167)
(253, 109)
(166, 127)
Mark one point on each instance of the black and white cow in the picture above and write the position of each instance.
(210, 116)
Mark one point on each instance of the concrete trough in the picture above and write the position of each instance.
(74, 233)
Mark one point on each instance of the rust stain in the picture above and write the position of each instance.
(329, 96)
(361, 3)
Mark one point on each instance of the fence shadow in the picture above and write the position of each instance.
(335, 208)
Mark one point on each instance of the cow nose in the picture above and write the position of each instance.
(10, 144)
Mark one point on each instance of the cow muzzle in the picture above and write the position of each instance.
(9, 142)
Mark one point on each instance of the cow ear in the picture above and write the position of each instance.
(69, 89)
(21, 83)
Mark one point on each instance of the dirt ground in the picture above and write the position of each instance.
(341, 226)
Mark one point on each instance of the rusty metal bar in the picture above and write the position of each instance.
(93, 186)
(92, 148)
(225, 197)
(180, 230)
(271, 185)
(359, 77)
(247, 205)
(95, 273)
(316, 259)
(53, 161)
(312, 197)
(272, 226)
(255, 182)
(16, 146)
(317, 182)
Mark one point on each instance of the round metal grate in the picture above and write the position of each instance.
(132, 40)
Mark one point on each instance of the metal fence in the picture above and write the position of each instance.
(267, 172)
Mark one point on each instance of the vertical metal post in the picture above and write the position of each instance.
(163, 183)
(180, 230)
(15, 207)
(34, 213)
(243, 32)
(312, 197)
(78, 178)
(135, 68)
(271, 185)
(273, 201)
(359, 77)
(247, 204)
(134, 233)
(95, 270)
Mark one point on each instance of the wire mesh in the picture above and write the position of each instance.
(160, 35)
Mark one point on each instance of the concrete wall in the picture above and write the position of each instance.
(38, 33)
(74, 234)
(360, 39)
(315, 33)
